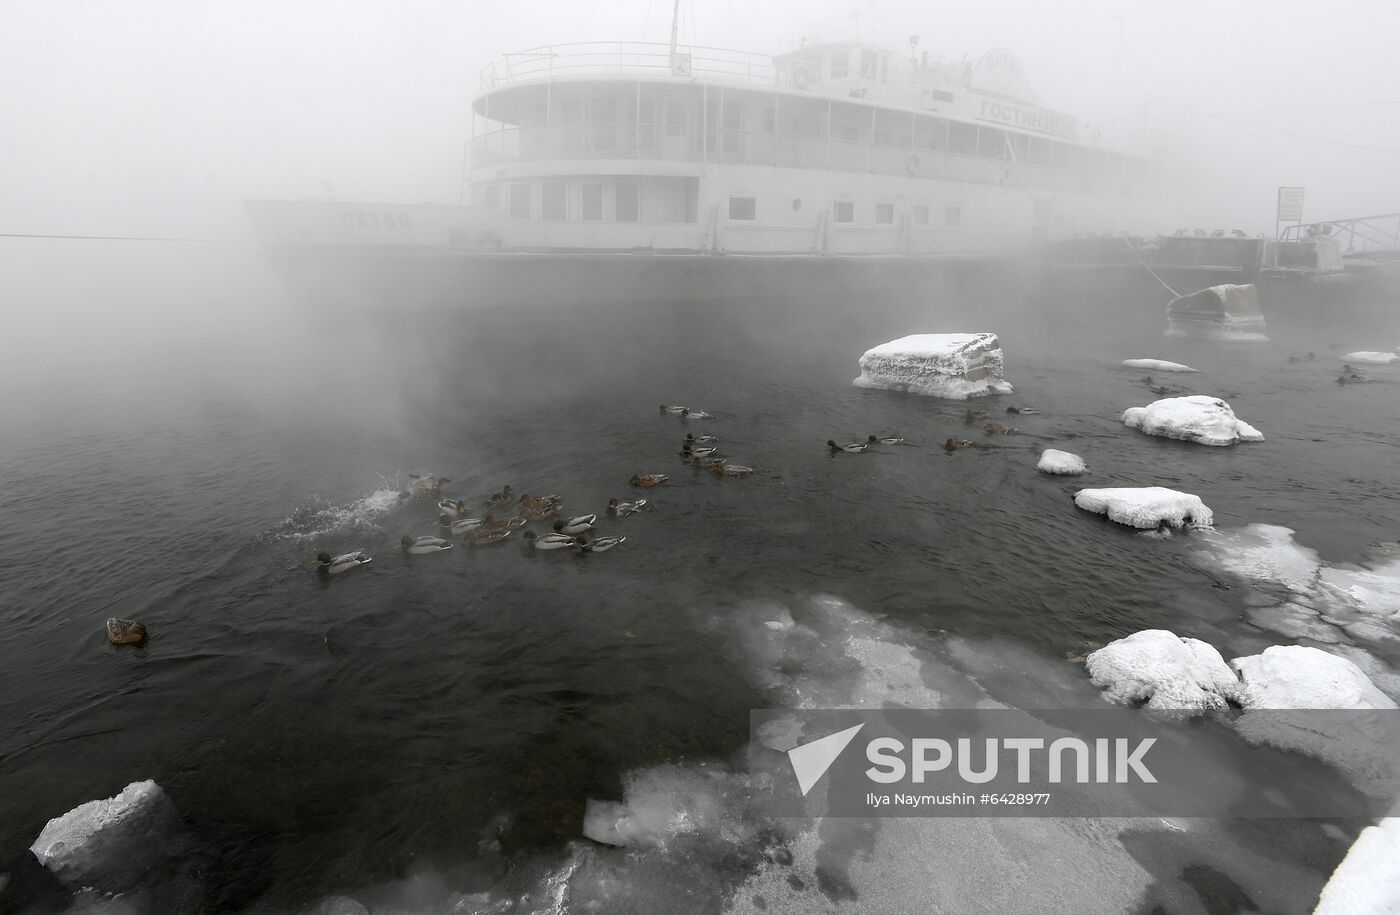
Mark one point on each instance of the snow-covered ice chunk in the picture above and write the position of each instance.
(1369, 358)
(1060, 462)
(952, 366)
(1197, 418)
(1164, 671)
(110, 844)
(1228, 312)
(1299, 677)
(1146, 507)
(1367, 882)
(1157, 365)
(1265, 554)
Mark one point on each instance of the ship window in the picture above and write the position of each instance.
(920, 215)
(626, 202)
(840, 64)
(868, 62)
(552, 200)
(843, 211)
(743, 208)
(520, 201)
(592, 202)
(675, 117)
(487, 195)
(884, 214)
(952, 216)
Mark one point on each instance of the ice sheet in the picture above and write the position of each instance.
(951, 366)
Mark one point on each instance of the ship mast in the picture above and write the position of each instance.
(675, 26)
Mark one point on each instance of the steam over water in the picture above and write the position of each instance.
(451, 714)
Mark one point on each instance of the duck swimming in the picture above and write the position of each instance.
(677, 410)
(453, 506)
(487, 536)
(997, 429)
(698, 452)
(886, 440)
(328, 565)
(692, 439)
(504, 497)
(848, 447)
(953, 444)
(553, 499)
(600, 545)
(464, 525)
(575, 525)
(427, 484)
(417, 546)
(694, 414)
(972, 416)
(707, 463)
(724, 469)
(648, 480)
(555, 541)
(1024, 411)
(623, 509)
(125, 632)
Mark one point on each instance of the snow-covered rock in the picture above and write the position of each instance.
(1228, 312)
(1197, 418)
(110, 844)
(1367, 882)
(1157, 365)
(1298, 677)
(1369, 358)
(1146, 507)
(1156, 668)
(1060, 462)
(952, 366)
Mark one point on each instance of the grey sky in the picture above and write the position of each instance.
(149, 116)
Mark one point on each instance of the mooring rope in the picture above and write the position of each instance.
(1129, 243)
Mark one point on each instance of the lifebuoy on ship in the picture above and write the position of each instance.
(912, 163)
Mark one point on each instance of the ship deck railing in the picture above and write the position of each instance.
(561, 142)
(631, 60)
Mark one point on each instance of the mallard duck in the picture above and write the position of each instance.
(848, 447)
(997, 429)
(678, 410)
(553, 499)
(953, 444)
(427, 485)
(648, 480)
(731, 470)
(539, 512)
(125, 632)
(623, 509)
(1024, 411)
(697, 452)
(973, 415)
(575, 525)
(692, 439)
(444, 524)
(416, 546)
(334, 565)
(453, 506)
(504, 497)
(465, 525)
(601, 544)
(885, 440)
(554, 541)
(706, 463)
(485, 537)
(694, 414)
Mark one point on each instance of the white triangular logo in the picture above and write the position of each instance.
(811, 760)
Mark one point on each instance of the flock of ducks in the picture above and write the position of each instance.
(456, 523)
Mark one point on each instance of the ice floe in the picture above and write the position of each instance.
(1146, 507)
(1227, 312)
(1158, 669)
(1367, 882)
(110, 844)
(1063, 463)
(1157, 365)
(1299, 677)
(951, 366)
(1197, 418)
(1370, 358)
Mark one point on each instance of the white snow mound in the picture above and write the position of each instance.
(1163, 671)
(1198, 418)
(1146, 507)
(1371, 358)
(108, 843)
(1157, 365)
(1298, 677)
(1060, 462)
(951, 366)
(1367, 882)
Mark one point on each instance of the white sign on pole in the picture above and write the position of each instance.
(1290, 204)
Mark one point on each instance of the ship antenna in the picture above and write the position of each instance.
(675, 27)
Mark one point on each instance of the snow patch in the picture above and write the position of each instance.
(1157, 365)
(1157, 668)
(1367, 882)
(1370, 358)
(1197, 418)
(1299, 677)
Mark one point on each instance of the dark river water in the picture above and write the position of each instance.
(446, 717)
